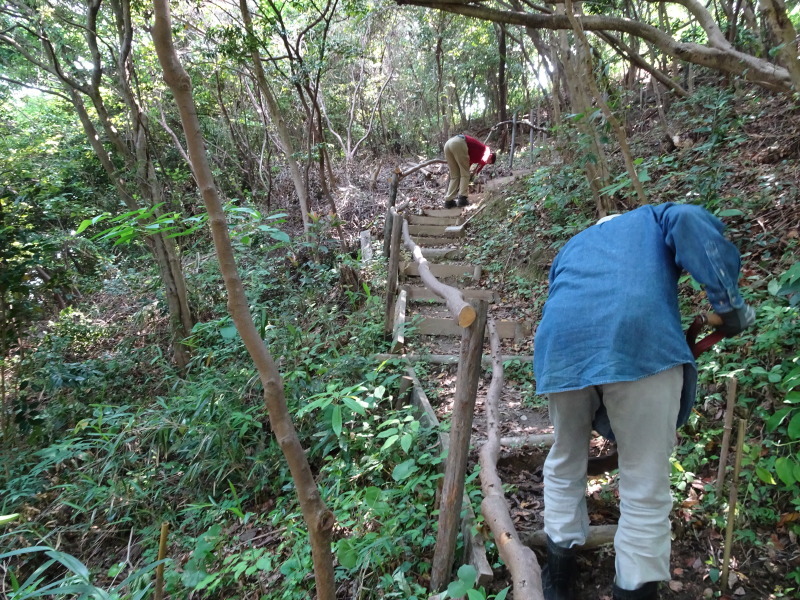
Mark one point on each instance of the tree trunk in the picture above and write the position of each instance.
(317, 516)
(775, 17)
(276, 116)
(502, 83)
(622, 138)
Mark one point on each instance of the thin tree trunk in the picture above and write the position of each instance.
(316, 514)
(277, 118)
(622, 138)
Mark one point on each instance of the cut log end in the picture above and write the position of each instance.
(466, 316)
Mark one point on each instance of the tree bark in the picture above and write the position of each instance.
(775, 17)
(317, 516)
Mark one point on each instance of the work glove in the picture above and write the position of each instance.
(737, 320)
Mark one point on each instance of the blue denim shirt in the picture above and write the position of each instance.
(612, 312)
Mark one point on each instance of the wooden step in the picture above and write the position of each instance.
(440, 271)
(432, 242)
(422, 293)
(442, 212)
(443, 221)
(443, 253)
(438, 326)
(434, 230)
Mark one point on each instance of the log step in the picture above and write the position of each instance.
(426, 220)
(422, 293)
(434, 230)
(441, 271)
(438, 326)
(428, 241)
(443, 253)
(442, 212)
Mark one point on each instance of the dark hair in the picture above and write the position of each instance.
(492, 158)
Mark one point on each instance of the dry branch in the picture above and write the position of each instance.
(599, 535)
(526, 574)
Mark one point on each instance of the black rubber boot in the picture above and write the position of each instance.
(462, 201)
(649, 591)
(560, 573)
(449, 203)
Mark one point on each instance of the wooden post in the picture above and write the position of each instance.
(513, 141)
(393, 187)
(732, 499)
(530, 142)
(726, 435)
(450, 506)
(394, 266)
(387, 226)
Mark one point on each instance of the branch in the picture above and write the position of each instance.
(420, 165)
(727, 60)
(526, 574)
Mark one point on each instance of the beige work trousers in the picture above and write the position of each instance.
(643, 414)
(457, 155)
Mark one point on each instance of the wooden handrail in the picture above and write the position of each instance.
(462, 311)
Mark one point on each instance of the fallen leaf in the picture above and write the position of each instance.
(739, 592)
(675, 586)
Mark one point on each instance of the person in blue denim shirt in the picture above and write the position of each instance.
(610, 354)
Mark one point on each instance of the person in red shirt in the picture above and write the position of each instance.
(462, 151)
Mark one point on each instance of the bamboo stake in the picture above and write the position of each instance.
(732, 499)
(162, 554)
(726, 435)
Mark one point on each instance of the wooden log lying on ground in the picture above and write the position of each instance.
(526, 575)
(450, 359)
(599, 535)
(463, 312)
(535, 439)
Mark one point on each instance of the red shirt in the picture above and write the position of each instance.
(479, 152)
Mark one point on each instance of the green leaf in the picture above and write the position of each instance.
(354, 405)
(777, 418)
(774, 287)
(405, 442)
(346, 554)
(457, 589)
(784, 467)
(8, 518)
(389, 442)
(730, 212)
(794, 426)
(228, 333)
(476, 595)
(404, 470)
(336, 420)
(765, 476)
(372, 496)
(501, 595)
(468, 575)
